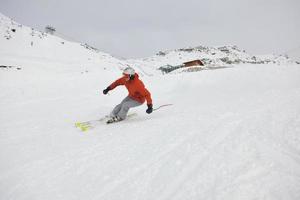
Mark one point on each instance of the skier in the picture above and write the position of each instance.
(137, 94)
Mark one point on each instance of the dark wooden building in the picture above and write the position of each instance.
(193, 63)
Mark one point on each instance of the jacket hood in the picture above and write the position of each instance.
(136, 75)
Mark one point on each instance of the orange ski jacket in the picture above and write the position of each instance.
(135, 87)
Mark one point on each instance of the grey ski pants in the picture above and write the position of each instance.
(122, 109)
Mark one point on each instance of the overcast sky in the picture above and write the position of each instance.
(141, 28)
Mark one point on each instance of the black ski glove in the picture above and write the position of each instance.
(150, 108)
(106, 90)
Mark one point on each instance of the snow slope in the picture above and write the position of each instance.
(31, 45)
(231, 133)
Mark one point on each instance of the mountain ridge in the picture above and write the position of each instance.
(24, 42)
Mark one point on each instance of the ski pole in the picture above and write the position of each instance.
(162, 106)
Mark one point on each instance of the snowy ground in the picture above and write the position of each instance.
(232, 133)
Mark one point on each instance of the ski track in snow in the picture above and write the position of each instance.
(231, 134)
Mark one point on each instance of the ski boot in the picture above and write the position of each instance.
(114, 119)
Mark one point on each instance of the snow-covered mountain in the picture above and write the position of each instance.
(294, 54)
(212, 57)
(230, 134)
(25, 43)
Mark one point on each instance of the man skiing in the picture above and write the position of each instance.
(137, 94)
